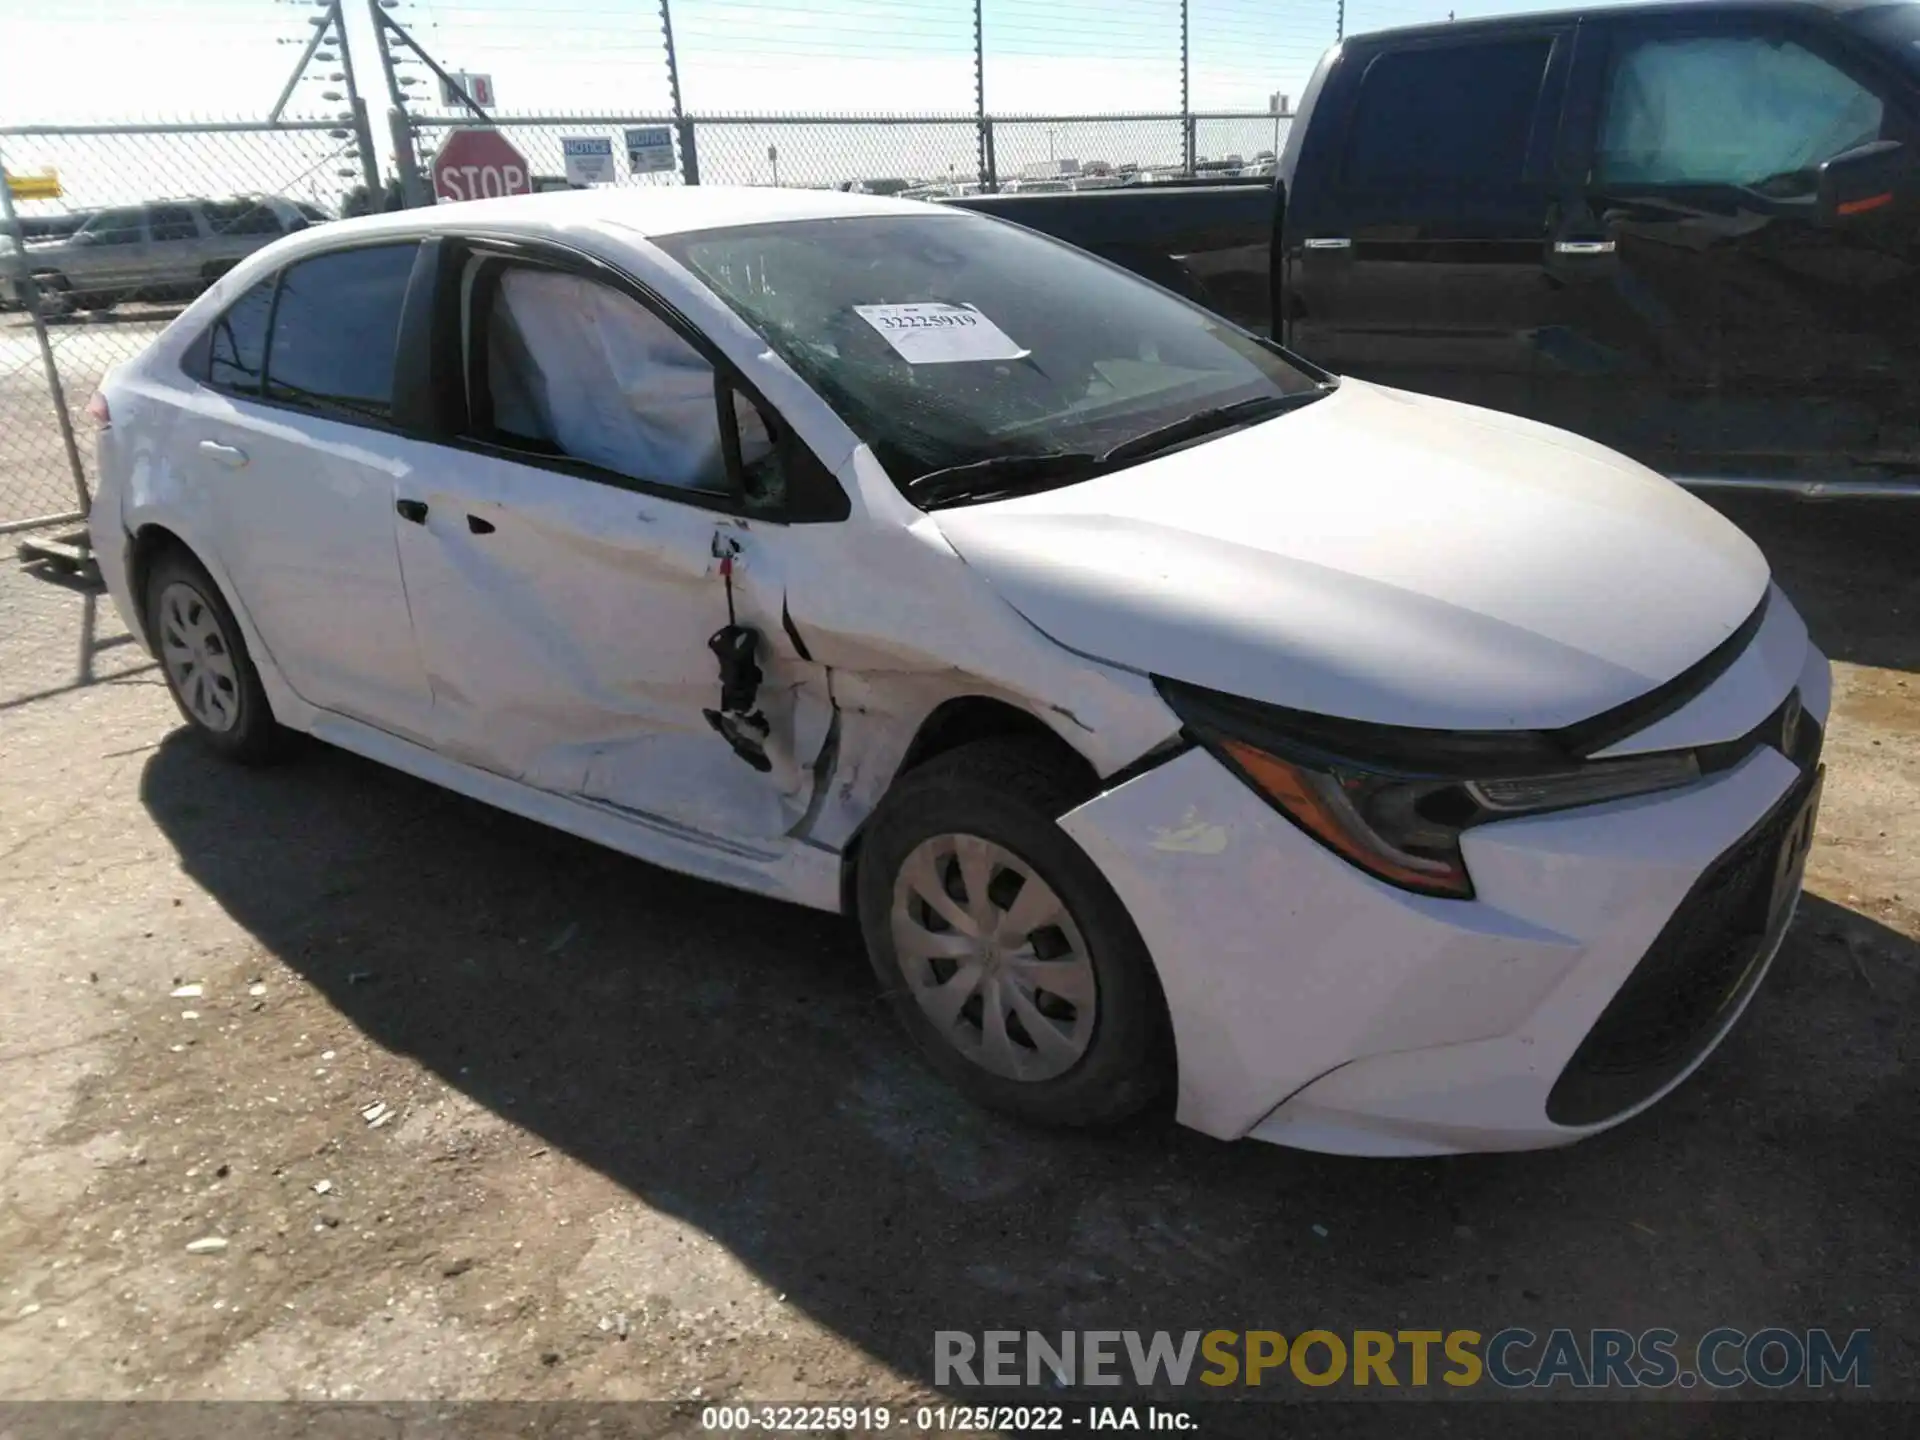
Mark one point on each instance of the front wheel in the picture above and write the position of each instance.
(204, 656)
(1000, 946)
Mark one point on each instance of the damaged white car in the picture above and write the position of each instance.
(1381, 775)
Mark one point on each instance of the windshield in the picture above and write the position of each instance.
(1895, 26)
(950, 339)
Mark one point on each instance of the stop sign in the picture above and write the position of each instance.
(479, 164)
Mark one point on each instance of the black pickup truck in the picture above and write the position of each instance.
(1690, 231)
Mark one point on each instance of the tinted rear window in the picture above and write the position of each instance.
(1446, 115)
(334, 331)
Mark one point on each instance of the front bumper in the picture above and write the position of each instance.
(1315, 1006)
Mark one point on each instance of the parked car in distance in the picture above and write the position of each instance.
(163, 250)
(1690, 231)
(1387, 776)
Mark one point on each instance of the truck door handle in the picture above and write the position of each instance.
(1583, 247)
(414, 510)
(232, 456)
(1327, 242)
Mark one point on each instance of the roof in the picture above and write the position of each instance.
(642, 209)
(1567, 14)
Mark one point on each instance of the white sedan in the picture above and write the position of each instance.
(1381, 775)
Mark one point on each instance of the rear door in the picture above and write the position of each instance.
(297, 450)
(604, 506)
(1415, 247)
(1762, 343)
(175, 252)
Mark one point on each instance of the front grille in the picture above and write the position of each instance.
(1699, 968)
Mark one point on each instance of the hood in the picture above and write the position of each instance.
(1380, 556)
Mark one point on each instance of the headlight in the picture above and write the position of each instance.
(1396, 801)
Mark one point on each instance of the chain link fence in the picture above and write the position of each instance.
(148, 216)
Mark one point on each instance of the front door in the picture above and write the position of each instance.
(572, 556)
(1758, 342)
(1418, 261)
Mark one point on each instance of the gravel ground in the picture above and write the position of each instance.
(644, 1138)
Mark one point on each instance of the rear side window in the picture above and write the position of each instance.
(173, 222)
(237, 343)
(242, 217)
(1446, 116)
(1736, 110)
(335, 327)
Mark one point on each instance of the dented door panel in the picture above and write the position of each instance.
(565, 639)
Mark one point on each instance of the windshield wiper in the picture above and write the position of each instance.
(1205, 422)
(1000, 476)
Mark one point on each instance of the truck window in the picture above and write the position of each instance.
(1740, 110)
(172, 222)
(1446, 116)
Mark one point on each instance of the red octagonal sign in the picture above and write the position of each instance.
(477, 165)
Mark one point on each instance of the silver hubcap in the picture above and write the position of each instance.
(993, 957)
(198, 658)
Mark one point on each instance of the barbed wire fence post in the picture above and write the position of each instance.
(415, 189)
(689, 149)
(1186, 94)
(334, 28)
(989, 170)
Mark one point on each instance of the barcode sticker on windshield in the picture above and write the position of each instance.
(931, 332)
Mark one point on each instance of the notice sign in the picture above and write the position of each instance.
(930, 332)
(589, 159)
(650, 149)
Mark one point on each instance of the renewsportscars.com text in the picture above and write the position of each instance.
(1513, 1358)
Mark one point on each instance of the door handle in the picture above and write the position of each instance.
(232, 456)
(414, 510)
(1326, 242)
(1583, 247)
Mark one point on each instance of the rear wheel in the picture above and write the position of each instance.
(204, 657)
(1000, 946)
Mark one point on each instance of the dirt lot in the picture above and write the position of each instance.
(649, 1138)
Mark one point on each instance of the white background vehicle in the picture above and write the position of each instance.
(1387, 776)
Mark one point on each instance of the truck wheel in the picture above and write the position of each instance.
(1000, 946)
(204, 657)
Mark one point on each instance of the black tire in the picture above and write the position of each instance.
(97, 304)
(1010, 791)
(254, 737)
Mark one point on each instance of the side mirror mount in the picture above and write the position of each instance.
(1866, 180)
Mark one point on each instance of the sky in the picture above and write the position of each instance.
(116, 60)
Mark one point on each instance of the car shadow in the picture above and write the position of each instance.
(1848, 565)
(724, 1059)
